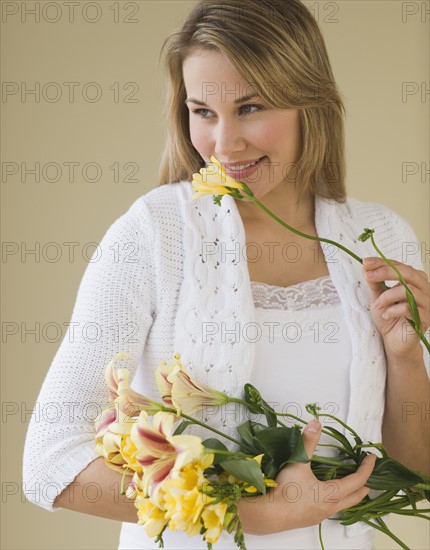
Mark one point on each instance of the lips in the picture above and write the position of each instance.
(242, 170)
(243, 165)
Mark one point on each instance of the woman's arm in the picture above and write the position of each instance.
(96, 491)
(405, 429)
(112, 313)
(406, 426)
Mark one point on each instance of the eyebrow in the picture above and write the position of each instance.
(236, 101)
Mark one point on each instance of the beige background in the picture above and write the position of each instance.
(374, 46)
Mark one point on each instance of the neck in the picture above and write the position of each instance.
(282, 201)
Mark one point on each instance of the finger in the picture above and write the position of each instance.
(397, 293)
(397, 311)
(375, 288)
(353, 482)
(311, 436)
(374, 262)
(387, 273)
(352, 499)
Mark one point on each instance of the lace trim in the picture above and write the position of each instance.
(314, 293)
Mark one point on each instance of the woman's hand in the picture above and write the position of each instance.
(389, 308)
(300, 499)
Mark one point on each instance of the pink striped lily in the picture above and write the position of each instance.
(115, 422)
(160, 453)
(113, 437)
(178, 389)
(162, 378)
(130, 402)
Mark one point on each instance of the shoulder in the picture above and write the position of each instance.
(166, 198)
(377, 216)
(393, 234)
(161, 205)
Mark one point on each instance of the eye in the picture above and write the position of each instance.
(248, 112)
(202, 113)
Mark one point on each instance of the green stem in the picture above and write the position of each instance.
(122, 491)
(301, 420)
(423, 486)
(384, 529)
(320, 536)
(416, 324)
(237, 400)
(332, 462)
(297, 232)
(377, 446)
(227, 453)
(355, 434)
(194, 421)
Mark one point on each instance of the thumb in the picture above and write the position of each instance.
(311, 436)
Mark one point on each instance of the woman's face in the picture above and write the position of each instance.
(238, 129)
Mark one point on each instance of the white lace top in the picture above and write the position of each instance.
(303, 352)
(302, 355)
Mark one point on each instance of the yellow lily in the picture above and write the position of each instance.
(213, 519)
(213, 180)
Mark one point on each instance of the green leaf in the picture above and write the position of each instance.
(269, 467)
(215, 444)
(336, 434)
(246, 432)
(271, 418)
(182, 426)
(282, 445)
(390, 474)
(246, 470)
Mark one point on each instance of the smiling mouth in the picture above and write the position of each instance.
(241, 167)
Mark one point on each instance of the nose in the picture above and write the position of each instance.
(229, 139)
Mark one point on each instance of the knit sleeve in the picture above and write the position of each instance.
(113, 312)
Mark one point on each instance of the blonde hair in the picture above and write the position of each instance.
(277, 47)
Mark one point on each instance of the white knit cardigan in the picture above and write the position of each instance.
(165, 276)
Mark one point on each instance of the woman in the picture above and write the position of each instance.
(251, 84)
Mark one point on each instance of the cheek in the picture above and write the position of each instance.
(200, 138)
(278, 138)
(269, 135)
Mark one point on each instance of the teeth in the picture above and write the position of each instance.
(242, 166)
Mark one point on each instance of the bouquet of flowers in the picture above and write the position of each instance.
(180, 482)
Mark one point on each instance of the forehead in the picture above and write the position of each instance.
(210, 70)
